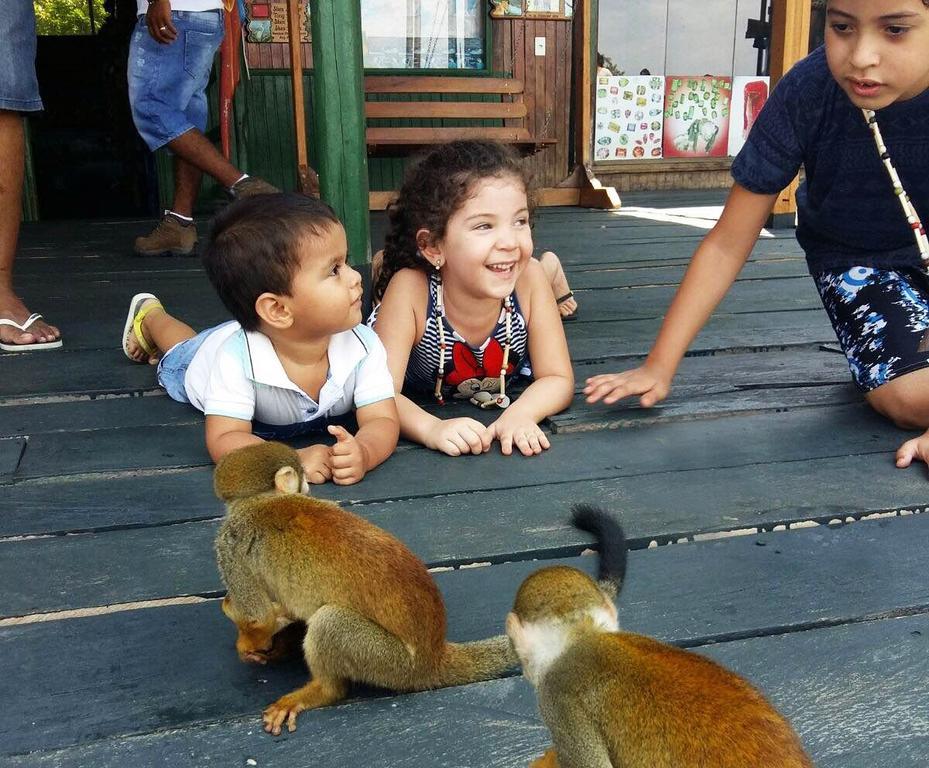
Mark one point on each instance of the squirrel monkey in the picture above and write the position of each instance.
(614, 699)
(373, 613)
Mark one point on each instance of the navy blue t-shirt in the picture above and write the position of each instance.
(848, 213)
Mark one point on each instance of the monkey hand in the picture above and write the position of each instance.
(349, 463)
(524, 434)
(457, 436)
(285, 709)
(649, 383)
(256, 657)
(917, 448)
(316, 693)
(317, 463)
(548, 760)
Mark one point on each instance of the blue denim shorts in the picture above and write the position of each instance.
(19, 89)
(881, 318)
(167, 83)
(172, 368)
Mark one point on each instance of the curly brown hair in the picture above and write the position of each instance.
(434, 187)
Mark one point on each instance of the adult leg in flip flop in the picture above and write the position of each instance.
(161, 331)
(12, 149)
(567, 304)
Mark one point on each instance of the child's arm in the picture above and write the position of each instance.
(225, 434)
(713, 268)
(552, 387)
(397, 328)
(353, 456)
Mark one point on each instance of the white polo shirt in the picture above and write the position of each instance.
(238, 374)
(183, 5)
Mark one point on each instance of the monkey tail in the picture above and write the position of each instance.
(611, 542)
(465, 663)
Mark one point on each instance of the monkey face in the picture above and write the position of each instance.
(256, 638)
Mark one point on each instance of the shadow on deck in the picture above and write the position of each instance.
(115, 650)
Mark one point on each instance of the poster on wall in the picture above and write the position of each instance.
(749, 94)
(696, 116)
(629, 117)
(267, 21)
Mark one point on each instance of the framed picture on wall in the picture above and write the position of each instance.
(502, 9)
(538, 9)
(549, 9)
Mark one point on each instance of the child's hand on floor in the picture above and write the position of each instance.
(610, 387)
(349, 464)
(457, 436)
(317, 463)
(512, 430)
(917, 448)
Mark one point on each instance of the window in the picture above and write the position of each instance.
(68, 17)
(423, 34)
(678, 79)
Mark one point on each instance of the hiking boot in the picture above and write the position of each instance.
(172, 236)
(251, 186)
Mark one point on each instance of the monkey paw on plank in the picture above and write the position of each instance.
(314, 694)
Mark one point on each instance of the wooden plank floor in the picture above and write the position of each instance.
(770, 529)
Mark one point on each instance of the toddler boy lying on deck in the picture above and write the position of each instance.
(296, 354)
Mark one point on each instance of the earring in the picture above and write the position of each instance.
(438, 263)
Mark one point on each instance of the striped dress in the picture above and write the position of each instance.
(462, 361)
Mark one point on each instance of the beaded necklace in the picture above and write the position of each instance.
(483, 399)
(912, 218)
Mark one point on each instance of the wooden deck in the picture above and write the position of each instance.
(114, 648)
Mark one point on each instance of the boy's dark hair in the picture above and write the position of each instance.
(434, 187)
(253, 249)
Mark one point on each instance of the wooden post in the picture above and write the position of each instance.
(307, 181)
(591, 193)
(338, 118)
(790, 41)
(583, 83)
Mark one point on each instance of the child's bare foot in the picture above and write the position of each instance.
(567, 305)
(137, 344)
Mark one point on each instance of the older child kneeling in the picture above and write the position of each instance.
(296, 354)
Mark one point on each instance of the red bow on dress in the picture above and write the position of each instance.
(465, 365)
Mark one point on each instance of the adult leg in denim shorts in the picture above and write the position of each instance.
(167, 92)
(19, 92)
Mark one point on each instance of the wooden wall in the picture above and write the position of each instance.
(547, 90)
(547, 86)
(275, 55)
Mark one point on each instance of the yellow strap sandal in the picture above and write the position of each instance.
(133, 326)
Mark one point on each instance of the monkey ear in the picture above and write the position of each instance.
(287, 480)
(611, 615)
(514, 629)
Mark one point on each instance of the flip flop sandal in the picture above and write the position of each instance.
(560, 299)
(24, 328)
(133, 326)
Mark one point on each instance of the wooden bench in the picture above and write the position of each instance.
(440, 109)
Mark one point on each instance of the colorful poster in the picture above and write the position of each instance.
(696, 116)
(267, 21)
(749, 94)
(629, 117)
